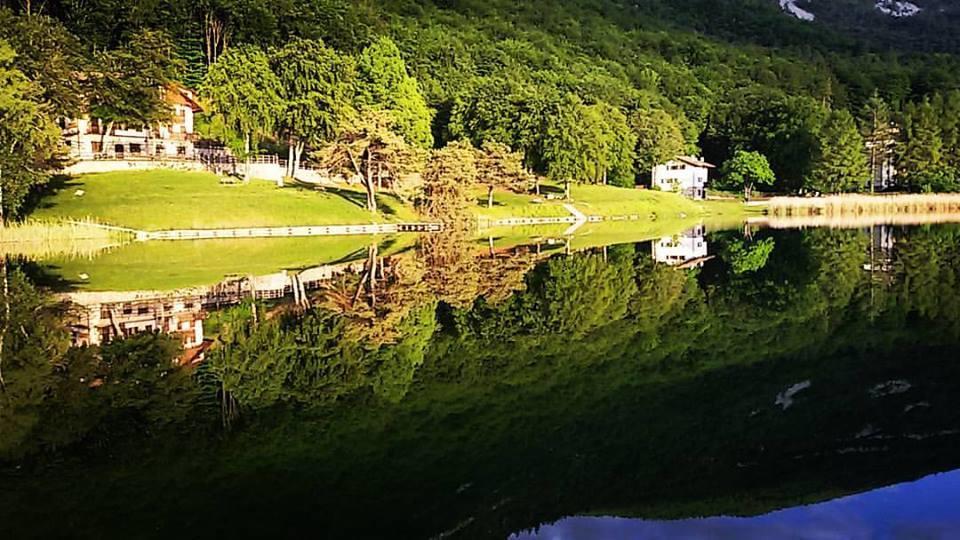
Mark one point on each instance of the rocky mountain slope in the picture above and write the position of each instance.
(919, 25)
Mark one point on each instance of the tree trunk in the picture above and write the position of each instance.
(290, 157)
(490, 196)
(536, 185)
(6, 317)
(372, 254)
(297, 156)
(214, 37)
(370, 184)
(246, 154)
(566, 189)
(103, 135)
(3, 216)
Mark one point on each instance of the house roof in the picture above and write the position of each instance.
(695, 162)
(179, 95)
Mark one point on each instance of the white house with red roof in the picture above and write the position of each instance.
(684, 174)
(86, 139)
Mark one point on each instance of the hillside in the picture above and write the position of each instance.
(590, 91)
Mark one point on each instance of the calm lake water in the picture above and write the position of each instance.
(775, 384)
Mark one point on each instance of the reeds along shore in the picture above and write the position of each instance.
(58, 237)
(880, 206)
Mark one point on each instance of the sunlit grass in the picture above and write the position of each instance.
(592, 200)
(157, 200)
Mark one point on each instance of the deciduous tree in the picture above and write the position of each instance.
(659, 138)
(384, 83)
(318, 86)
(746, 170)
(245, 94)
(29, 138)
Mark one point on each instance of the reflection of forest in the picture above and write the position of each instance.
(446, 391)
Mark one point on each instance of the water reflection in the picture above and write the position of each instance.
(458, 389)
(926, 509)
(686, 250)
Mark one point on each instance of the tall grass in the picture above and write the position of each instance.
(47, 238)
(891, 207)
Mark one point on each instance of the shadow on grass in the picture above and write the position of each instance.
(385, 201)
(47, 276)
(551, 189)
(482, 203)
(43, 198)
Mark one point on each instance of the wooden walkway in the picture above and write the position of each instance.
(280, 232)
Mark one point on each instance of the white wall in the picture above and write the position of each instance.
(111, 165)
(678, 176)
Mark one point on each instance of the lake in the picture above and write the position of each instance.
(714, 384)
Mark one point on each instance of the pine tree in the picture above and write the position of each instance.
(840, 164)
(949, 115)
(921, 157)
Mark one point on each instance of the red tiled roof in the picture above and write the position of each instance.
(178, 95)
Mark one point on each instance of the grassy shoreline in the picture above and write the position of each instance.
(159, 200)
(860, 205)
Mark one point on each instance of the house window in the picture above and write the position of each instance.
(160, 149)
(118, 149)
(143, 311)
(96, 147)
(135, 148)
(181, 150)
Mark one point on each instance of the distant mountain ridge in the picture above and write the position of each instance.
(920, 25)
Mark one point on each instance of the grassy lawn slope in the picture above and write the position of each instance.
(157, 200)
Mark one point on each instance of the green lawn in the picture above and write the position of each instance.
(591, 200)
(157, 200)
(165, 266)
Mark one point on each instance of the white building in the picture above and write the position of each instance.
(683, 174)
(688, 247)
(882, 154)
(86, 139)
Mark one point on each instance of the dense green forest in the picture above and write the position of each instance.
(595, 376)
(584, 90)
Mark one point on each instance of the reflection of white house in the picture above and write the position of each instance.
(684, 174)
(883, 241)
(90, 138)
(102, 317)
(688, 247)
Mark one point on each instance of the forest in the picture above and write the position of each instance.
(593, 91)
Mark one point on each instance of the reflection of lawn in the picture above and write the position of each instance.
(152, 200)
(181, 264)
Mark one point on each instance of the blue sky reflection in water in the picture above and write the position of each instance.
(927, 509)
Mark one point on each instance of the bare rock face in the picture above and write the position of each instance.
(806, 10)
